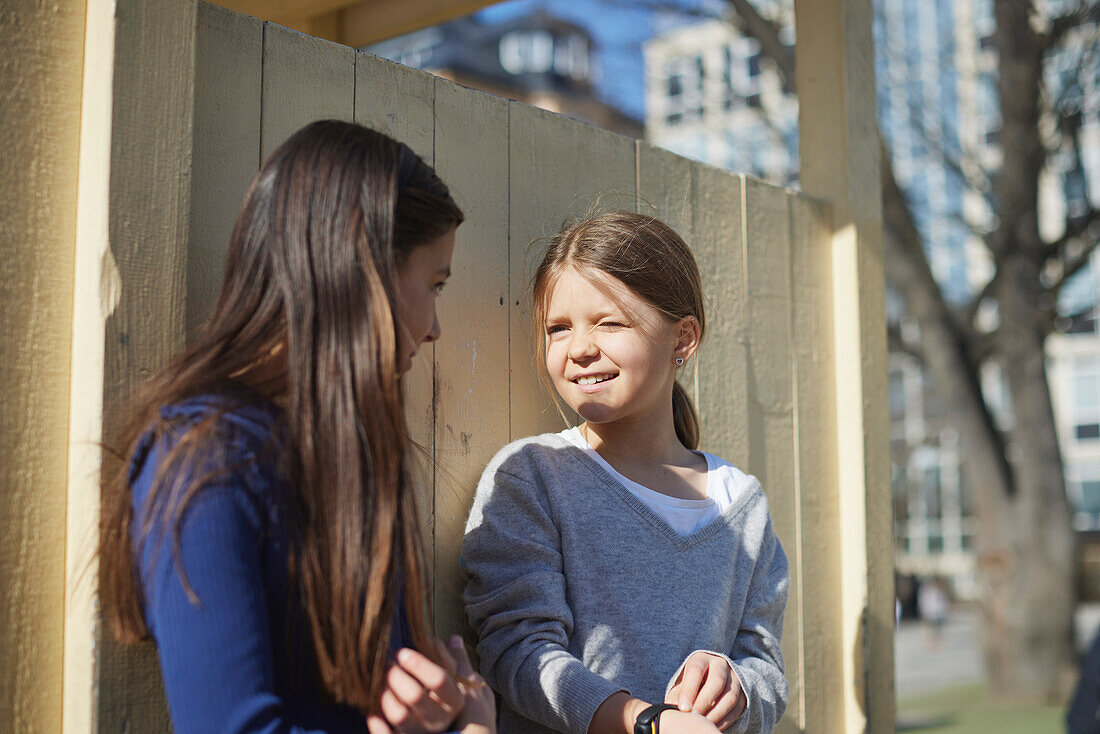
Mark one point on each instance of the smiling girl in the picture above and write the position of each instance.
(613, 566)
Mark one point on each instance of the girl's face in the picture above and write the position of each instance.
(420, 279)
(609, 353)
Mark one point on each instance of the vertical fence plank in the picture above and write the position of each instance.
(228, 57)
(771, 403)
(304, 79)
(722, 364)
(149, 211)
(666, 184)
(471, 419)
(399, 101)
(816, 457)
(558, 168)
(396, 100)
(666, 187)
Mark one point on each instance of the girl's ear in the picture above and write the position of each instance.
(688, 336)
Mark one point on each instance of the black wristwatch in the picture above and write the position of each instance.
(646, 723)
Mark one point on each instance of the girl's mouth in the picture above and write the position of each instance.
(588, 380)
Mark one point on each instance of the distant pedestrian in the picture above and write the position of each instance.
(1083, 716)
(932, 602)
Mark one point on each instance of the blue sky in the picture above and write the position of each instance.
(619, 28)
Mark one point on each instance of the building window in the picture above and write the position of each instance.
(1088, 431)
(754, 66)
(897, 395)
(727, 78)
(1085, 385)
(527, 52)
(932, 489)
(684, 90)
(935, 543)
(1090, 496)
(1083, 488)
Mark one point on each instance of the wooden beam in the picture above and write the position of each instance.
(370, 21)
(357, 22)
(282, 11)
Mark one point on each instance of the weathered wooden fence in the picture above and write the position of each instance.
(222, 90)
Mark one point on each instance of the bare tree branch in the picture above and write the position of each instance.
(1079, 263)
(970, 313)
(896, 342)
(966, 166)
(1063, 24)
(766, 34)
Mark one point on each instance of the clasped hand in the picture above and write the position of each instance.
(422, 697)
(708, 686)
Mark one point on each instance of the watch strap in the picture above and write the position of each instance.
(646, 723)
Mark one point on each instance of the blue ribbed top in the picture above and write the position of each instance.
(241, 659)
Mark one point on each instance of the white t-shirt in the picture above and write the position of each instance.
(683, 516)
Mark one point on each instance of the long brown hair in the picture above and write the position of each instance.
(309, 287)
(651, 260)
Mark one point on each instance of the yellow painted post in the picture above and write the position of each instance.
(95, 292)
(471, 416)
(41, 46)
(228, 64)
(558, 168)
(148, 226)
(838, 144)
(767, 291)
(399, 102)
(816, 465)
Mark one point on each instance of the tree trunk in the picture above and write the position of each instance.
(1026, 564)
(1026, 570)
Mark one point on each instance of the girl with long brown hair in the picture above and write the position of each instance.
(263, 530)
(643, 586)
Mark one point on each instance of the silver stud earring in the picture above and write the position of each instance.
(679, 361)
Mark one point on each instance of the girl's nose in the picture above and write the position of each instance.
(582, 346)
(436, 331)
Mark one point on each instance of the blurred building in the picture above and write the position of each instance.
(711, 95)
(535, 58)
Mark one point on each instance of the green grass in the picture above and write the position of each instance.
(969, 710)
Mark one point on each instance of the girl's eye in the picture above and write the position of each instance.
(612, 325)
(438, 287)
(556, 329)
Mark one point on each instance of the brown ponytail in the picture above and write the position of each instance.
(684, 417)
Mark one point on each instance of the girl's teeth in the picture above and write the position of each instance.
(590, 380)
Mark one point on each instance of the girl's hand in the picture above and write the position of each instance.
(421, 697)
(707, 686)
(686, 722)
(479, 715)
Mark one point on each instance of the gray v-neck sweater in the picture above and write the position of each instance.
(577, 590)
